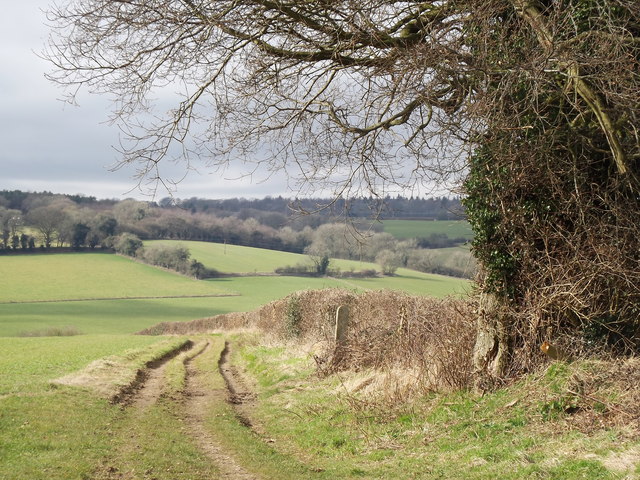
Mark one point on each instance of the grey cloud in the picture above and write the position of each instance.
(50, 145)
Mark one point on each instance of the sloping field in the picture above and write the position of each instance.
(28, 278)
(128, 316)
(234, 258)
(108, 294)
(414, 283)
(247, 260)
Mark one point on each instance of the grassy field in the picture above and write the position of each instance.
(309, 426)
(314, 427)
(247, 260)
(118, 295)
(236, 259)
(129, 316)
(28, 364)
(50, 431)
(253, 260)
(27, 278)
(423, 228)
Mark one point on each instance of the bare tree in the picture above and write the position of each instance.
(348, 95)
(538, 97)
(48, 220)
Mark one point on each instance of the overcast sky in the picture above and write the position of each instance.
(46, 144)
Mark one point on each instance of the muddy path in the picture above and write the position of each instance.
(238, 392)
(190, 406)
(197, 398)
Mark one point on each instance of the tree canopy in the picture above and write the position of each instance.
(536, 100)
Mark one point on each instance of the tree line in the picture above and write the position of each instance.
(398, 207)
(46, 221)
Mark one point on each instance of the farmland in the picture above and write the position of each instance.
(249, 260)
(90, 276)
(57, 419)
(102, 293)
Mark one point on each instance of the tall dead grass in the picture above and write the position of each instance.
(408, 344)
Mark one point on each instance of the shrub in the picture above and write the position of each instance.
(126, 244)
(198, 270)
(295, 270)
(389, 261)
(173, 257)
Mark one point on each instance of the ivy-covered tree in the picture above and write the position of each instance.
(552, 189)
(536, 100)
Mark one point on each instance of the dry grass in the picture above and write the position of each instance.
(68, 331)
(607, 394)
(400, 347)
(389, 333)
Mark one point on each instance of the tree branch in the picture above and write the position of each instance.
(537, 22)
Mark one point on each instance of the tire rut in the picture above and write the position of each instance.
(191, 406)
(196, 399)
(238, 394)
(148, 380)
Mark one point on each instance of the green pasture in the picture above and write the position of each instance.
(109, 294)
(29, 364)
(25, 278)
(248, 260)
(413, 283)
(129, 316)
(50, 431)
(403, 229)
(234, 258)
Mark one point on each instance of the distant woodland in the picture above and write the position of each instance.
(317, 227)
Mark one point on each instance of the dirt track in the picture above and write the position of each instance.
(192, 406)
(197, 397)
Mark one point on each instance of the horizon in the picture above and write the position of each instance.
(250, 198)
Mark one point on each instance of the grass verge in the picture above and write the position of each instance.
(528, 430)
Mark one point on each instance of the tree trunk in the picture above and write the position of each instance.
(491, 348)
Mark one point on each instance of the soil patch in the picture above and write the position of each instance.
(238, 393)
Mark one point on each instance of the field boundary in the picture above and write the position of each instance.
(99, 299)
